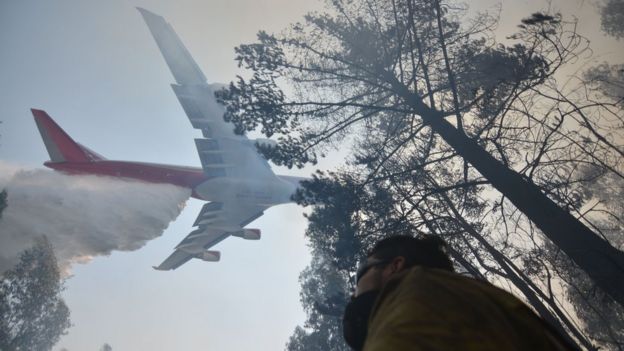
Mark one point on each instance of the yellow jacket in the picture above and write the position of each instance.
(432, 309)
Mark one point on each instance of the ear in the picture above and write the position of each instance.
(397, 264)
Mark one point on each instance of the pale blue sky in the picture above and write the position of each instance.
(94, 67)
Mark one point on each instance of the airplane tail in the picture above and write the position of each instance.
(61, 147)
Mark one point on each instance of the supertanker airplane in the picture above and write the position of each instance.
(237, 181)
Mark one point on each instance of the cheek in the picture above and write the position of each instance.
(385, 275)
(370, 281)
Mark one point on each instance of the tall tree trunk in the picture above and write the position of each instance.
(603, 263)
(519, 280)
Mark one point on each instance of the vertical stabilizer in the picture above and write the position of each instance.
(61, 147)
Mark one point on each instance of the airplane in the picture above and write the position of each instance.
(236, 180)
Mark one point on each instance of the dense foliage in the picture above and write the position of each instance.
(454, 134)
(33, 316)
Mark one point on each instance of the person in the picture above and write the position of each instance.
(408, 297)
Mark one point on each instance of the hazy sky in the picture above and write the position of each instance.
(95, 68)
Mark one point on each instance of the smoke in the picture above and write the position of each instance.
(82, 215)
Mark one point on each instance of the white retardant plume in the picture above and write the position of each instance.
(82, 215)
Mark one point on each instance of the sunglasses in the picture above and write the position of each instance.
(366, 266)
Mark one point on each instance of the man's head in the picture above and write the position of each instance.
(389, 257)
(397, 253)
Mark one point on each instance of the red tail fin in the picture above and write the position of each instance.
(61, 147)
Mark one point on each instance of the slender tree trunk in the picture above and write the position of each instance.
(603, 263)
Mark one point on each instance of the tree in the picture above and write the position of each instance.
(411, 65)
(337, 243)
(349, 217)
(602, 317)
(33, 316)
(3, 201)
(607, 80)
(613, 18)
(106, 347)
(323, 296)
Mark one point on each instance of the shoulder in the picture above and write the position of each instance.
(441, 310)
(450, 289)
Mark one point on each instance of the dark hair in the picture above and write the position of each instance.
(428, 251)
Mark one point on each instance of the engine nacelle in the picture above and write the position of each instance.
(267, 143)
(209, 256)
(248, 234)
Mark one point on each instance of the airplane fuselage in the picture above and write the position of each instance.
(272, 191)
(265, 192)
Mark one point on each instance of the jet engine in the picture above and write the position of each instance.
(266, 143)
(248, 234)
(209, 256)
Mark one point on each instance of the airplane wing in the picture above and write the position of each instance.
(215, 222)
(221, 151)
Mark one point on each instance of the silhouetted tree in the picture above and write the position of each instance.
(603, 319)
(607, 80)
(346, 210)
(408, 66)
(613, 18)
(346, 75)
(323, 297)
(3, 201)
(33, 316)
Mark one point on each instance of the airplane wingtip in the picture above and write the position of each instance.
(147, 13)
